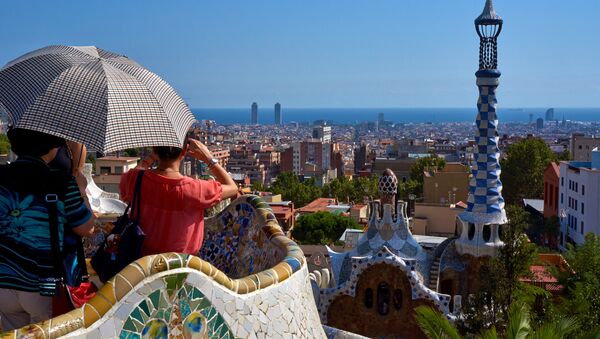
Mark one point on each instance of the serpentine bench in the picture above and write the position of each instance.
(249, 280)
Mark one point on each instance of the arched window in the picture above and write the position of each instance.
(369, 298)
(383, 298)
(487, 233)
(397, 299)
(471, 231)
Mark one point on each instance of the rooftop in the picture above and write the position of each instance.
(124, 159)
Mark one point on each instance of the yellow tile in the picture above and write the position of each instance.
(90, 315)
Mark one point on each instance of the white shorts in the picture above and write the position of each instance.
(18, 308)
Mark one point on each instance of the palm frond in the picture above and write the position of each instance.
(434, 324)
(518, 322)
(558, 329)
(489, 334)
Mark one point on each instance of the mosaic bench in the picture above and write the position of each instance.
(253, 282)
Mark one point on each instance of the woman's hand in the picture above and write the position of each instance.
(199, 150)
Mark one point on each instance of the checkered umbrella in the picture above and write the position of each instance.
(83, 93)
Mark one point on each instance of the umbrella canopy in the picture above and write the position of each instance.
(83, 93)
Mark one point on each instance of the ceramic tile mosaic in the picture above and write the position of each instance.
(179, 295)
(334, 333)
(384, 255)
(237, 248)
(388, 240)
(390, 231)
(176, 309)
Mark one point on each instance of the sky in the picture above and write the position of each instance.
(329, 53)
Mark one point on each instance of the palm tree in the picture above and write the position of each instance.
(436, 326)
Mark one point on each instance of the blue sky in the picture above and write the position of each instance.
(330, 53)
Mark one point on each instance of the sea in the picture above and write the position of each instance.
(226, 116)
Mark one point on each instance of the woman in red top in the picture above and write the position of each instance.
(172, 205)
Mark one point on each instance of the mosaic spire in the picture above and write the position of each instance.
(485, 205)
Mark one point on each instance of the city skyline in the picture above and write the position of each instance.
(329, 54)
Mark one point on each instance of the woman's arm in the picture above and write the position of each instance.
(199, 151)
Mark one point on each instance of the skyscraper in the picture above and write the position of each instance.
(381, 119)
(485, 206)
(539, 123)
(278, 119)
(254, 118)
(550, 114)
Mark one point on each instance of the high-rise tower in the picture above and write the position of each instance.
(485, 214)
(254, 117)
(278, 120)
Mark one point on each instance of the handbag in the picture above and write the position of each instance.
(124, 243)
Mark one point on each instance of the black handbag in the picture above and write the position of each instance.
(124, 243)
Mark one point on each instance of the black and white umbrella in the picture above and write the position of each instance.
(83, 93)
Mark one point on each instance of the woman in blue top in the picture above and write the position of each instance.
(25, 249)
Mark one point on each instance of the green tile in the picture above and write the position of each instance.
(137, 315)
(197, 294)
(218, 321)
(138, 325)
(174, 282)
(132, 335)
(154, 297)
(224, 331)
(204, 303)
(144, 307)
(163, 302)
(129, 326)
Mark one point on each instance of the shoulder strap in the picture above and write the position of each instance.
(137, 197)
(51, 199)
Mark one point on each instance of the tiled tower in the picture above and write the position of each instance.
(485, 211)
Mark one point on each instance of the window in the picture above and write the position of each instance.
(368, 298)
(582, 227)
(582, 208)
(576, 187)
(383, 298)
(104, 170)
(487, 233)
(471, 231)
(118, 170)
(562, 201)
(562, 181)
(582, 189)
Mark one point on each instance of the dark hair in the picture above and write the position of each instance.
(167, 153)
(32, 143)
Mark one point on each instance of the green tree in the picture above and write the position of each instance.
(499, 278)
(340, 188)
(352, 191)
(523, 169)
(583, 284)
(365, 188)
(301, 193)
(430, 163)
(4, 144)
(409, 187)
(321, 228)
(519, 326)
